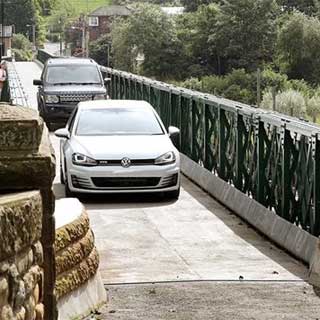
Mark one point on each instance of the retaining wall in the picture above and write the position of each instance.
(27, 225)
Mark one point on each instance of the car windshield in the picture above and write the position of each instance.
(118, 121)
(75, 73)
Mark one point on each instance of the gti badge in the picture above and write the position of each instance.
(126, 162)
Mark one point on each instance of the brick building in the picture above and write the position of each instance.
(100, 20)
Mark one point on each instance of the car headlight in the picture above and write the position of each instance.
(166, 158)
(51, 99)
(82, 160)
(99, 97)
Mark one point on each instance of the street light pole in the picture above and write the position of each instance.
(2, 28)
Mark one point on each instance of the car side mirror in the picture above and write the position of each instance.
(173, 131)
(37, 82)
(62, 133)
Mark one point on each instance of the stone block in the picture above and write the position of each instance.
(20, 222)
(77, 276)
(6, 313)
(24, 261)
(20, 129)
(28, 170)
(4, 291)
(39, 312)
(37, 253)
(31, 279)
(21, 314)
(30, 307)
(72, 232)
(71, 256)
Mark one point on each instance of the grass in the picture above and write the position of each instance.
(83, 5)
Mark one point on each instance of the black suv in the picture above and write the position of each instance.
(65, 82)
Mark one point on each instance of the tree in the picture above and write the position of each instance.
(151, 33)
(194, 31)
(244, 33)
(298, 47)
(193, 5)
(289, 102)
(308, 7)
(100, 50)
(21, 47)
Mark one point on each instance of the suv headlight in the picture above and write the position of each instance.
(166, 158)
(51, 99)
(99, 97)
(83, 160)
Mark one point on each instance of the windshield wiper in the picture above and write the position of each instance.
(63, 83)
(85, 83)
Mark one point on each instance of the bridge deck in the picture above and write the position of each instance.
(142, 239)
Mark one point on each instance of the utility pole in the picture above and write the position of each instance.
(2, 28)
(258, 87)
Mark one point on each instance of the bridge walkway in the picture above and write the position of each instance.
(194, 248)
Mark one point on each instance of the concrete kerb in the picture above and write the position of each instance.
(288, 236)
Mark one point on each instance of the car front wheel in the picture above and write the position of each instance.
(173, 195)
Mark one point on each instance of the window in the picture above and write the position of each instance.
(73, 74)
(118, 121)
(93, 22)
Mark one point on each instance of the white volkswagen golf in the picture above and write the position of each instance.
(118, 146)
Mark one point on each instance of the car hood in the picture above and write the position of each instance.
(72, 89)
(118, 147)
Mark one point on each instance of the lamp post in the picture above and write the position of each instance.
(2, 28)
(33, 26)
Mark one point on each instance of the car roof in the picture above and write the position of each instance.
(71, 60)
(95, 104)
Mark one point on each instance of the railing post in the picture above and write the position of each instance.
(285, 169)
(315, 224)
(222, 143)
(239, 150)
(260, 197)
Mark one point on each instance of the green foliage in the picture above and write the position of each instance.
(194, 31)
(308, 7)
(148, 31)
(86, 6)
(299, 46)
(289, 102)
(99, 50)
(244, 33)
(193, 5)
(237, 85)
(21, 47)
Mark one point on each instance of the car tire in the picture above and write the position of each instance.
(68, 192)
(62, 180)
(173, 195)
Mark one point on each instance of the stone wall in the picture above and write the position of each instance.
(27, 226)
(21, 257)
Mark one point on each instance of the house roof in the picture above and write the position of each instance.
(106, 11)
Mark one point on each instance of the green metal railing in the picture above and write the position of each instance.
(272, 158)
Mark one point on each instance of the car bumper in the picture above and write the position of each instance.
(116, 179)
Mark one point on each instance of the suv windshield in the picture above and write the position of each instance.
(118, 121)
(75, 73)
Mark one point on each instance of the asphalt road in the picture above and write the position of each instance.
(145, 239)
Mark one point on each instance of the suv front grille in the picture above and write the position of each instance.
(72, 98)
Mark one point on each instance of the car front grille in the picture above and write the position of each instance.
(125, 182)
(82, 183)
(74, 98)
(169, 181)
(137, 162)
